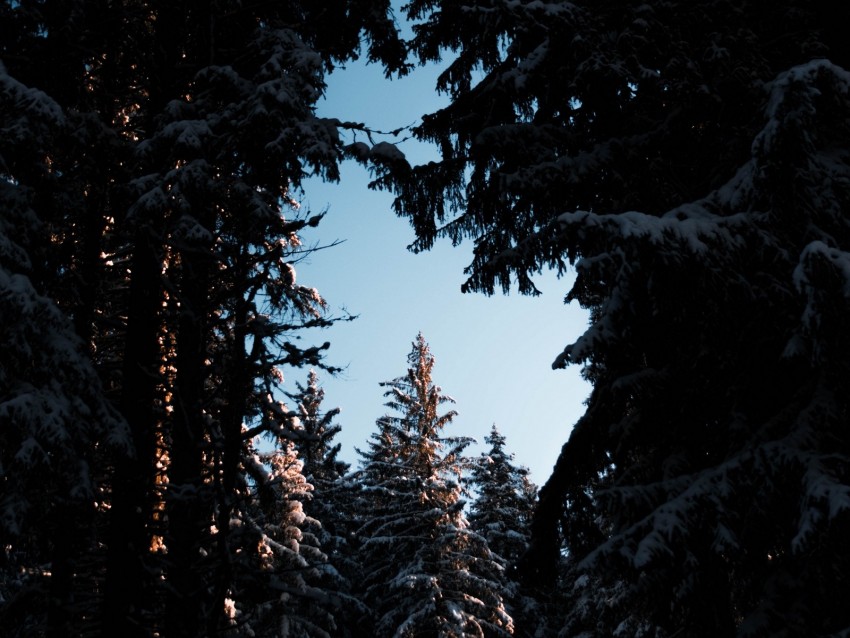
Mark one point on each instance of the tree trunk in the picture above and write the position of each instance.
(188, 503)
(127, 580)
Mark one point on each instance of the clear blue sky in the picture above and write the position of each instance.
(493, 354)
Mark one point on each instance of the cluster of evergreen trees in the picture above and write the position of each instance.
(386, 549)
(691, 161)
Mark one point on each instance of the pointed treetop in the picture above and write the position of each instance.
(496, 439)
(421, 351)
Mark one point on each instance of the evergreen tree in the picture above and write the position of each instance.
(690, 160)
(150, 160)
(425, 572)
(504, 503)
(314, 440)
(286, 587)
(330, 503)
(501, 513)
(58, 433)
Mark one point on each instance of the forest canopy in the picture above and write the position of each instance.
(690, 161)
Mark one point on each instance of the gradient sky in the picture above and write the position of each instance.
(493, 354)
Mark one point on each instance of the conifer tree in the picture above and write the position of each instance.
(504, 502)
(425, 572)
(313, 438)
(58, 432)
(330, 504)
(501, 514)
(150, 159)
(286, 587)
(689, 159)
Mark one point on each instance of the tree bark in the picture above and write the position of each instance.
(126, 576)
(189, 502)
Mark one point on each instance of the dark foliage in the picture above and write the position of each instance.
(691, 161)
(151, 154)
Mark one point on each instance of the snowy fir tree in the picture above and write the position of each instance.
(330, 502)
(322, 467)
(425, 573)
(286, 586)
(690, 160)
(501, 513)
(58, 432)
(150, 157)
(504, 502)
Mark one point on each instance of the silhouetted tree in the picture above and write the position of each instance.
(150, 161)
(58, 433)
(690, 160)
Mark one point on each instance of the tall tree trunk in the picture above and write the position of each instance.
(188, 502)
(126, 576)
(239, 388)
(60, 601)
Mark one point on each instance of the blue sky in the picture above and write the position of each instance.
(493, 354)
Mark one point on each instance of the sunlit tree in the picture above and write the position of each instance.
(323, 469)
(425, 572)
(284, 586)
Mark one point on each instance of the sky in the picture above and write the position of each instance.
(493, 354)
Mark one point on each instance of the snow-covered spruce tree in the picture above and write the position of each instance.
(165, 215)
(425, 573)
(323, 470)
(330, 503)
(504, 501)
(286, 587)
(58, 433)
(501, 513)
(691, 161)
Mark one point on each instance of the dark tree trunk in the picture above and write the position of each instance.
(127, 580)
(60, 601)
(229, 455)
(188, 503)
